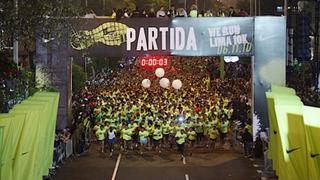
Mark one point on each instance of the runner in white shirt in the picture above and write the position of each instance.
(111, 139)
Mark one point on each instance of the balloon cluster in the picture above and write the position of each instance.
(164, 82)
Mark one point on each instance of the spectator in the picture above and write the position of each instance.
(181, 13)
(208, 13)
(126, 13)
(243, 13)
(151, 13)
(144, 14)
(232, 12)
(220, 13)
(90, 14)
(172, 12)
(193, 11)
(248, 142)
(120, 14)
(114, 13)
(201, 14)
(136, 13)
(161, 13)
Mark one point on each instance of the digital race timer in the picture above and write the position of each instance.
(154, 62)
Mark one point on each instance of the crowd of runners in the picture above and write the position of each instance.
(126, 117)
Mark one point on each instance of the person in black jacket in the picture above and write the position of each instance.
(247, 141)
(232, 12)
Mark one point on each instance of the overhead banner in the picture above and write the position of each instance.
(264, 38)
(156, 36)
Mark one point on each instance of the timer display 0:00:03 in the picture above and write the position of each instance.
(154, 62)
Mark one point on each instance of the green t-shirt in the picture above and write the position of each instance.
(143, 135)
(180, 137)
(101, 134)
(126, 134)
(213, 133)
(224, 126)
(199, 127)
(157, 134)
(172, 129)
(207, 126)
(192, 135)
(184, 126)
(96, 127)
(165, 129)
(249, 127)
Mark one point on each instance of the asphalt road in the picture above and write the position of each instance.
(202, 165)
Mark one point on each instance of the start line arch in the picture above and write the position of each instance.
(262, 38)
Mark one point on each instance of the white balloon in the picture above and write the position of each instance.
(177, 84)
(164, 82)
(159, 72)
(146, 83)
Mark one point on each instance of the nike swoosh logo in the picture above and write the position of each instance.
(314, 155)
(292, 150)
(264, 38)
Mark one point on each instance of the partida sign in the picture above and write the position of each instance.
(180, 36)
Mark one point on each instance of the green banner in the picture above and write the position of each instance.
(28, 133)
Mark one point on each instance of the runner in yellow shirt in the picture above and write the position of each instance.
(101, 135)
(223, 129)
(143, 137)
(192, 135)
(199, 130)
(166, 131)
(213, 135)
(157, 138)
(126, 137)
(172, 133)
(181, 139)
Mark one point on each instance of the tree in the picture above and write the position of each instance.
(78, 78)
(44, 19)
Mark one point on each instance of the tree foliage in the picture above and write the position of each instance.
(78, 78)
(45, 19)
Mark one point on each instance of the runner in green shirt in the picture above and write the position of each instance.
(213, 135)
(101, 135)
(172, 133)
(166, 131)
(199, 130)
(143, 137)
(192, 135)
(126, 137)
(224, 129)
(181, 139)
(157, 138)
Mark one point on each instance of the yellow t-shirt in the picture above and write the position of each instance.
(213, 133)
(192, 135)
(101, 134)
